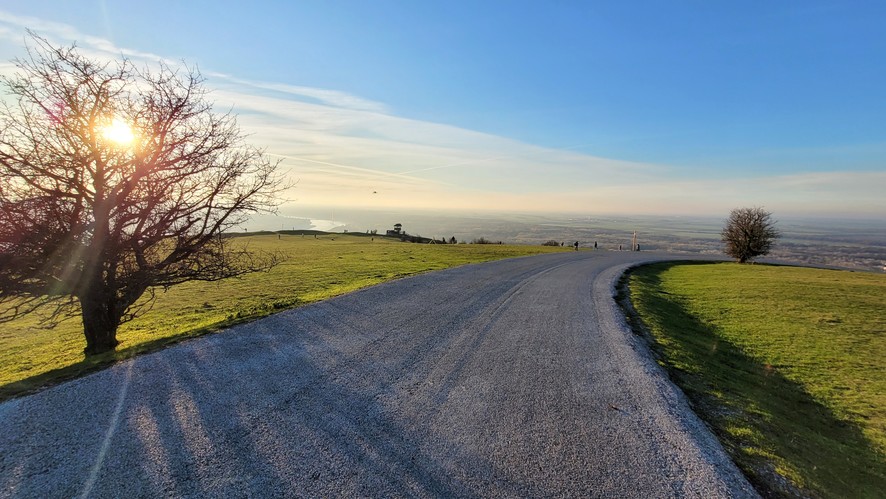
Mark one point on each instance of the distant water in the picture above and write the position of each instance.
(275, 223)
(854, 244)
(324, 225)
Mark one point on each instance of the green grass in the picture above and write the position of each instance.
(316, 269)
(787, 365)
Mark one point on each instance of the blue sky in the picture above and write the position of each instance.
(689, 107)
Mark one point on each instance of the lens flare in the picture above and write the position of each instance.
(118, 132)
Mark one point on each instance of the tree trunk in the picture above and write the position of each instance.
(99, 326)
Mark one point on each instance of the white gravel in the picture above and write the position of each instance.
(516, 378)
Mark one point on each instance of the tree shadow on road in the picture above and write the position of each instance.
(318, 431)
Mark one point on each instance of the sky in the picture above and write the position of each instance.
(633, 107)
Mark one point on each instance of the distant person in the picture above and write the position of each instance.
(619, 247)
(575, 245)
(638, 246)
(595, 244)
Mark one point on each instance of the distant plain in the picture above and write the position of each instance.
(857, 244)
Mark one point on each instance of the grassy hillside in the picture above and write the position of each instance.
(788, 365)
(316, 269)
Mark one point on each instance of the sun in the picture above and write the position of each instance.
(118, 132)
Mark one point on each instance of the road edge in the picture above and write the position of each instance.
(714, 464)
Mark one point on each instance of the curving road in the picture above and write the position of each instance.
(512, 378)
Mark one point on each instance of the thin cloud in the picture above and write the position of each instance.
(328, 97)
(63, 34)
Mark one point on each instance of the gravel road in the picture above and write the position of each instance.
(515, 378)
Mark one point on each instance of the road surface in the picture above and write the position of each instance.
(515, 378)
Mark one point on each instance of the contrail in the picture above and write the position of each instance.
(347, 167)
(407, 174)
(493, 158)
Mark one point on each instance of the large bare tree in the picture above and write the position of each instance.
(115, 181)
(749, 233)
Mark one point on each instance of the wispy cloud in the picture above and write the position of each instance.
(347, 150)
(327, 97)
(13, 29)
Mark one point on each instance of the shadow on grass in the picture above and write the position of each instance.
(98, 362)
(769, 424)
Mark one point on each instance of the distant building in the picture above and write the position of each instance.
(397, 232)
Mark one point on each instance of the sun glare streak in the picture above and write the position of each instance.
(118, 132)
(109, 435)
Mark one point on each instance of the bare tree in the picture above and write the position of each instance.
(749, 233)
(115, 181)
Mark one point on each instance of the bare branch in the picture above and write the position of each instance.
(101, 223)
(749, 233)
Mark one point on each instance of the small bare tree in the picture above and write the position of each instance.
(749, 233)
(115, 181)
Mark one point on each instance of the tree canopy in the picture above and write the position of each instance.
(749, 233)
(114, 181)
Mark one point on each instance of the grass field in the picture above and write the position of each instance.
(788, 366)
(315, 269)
